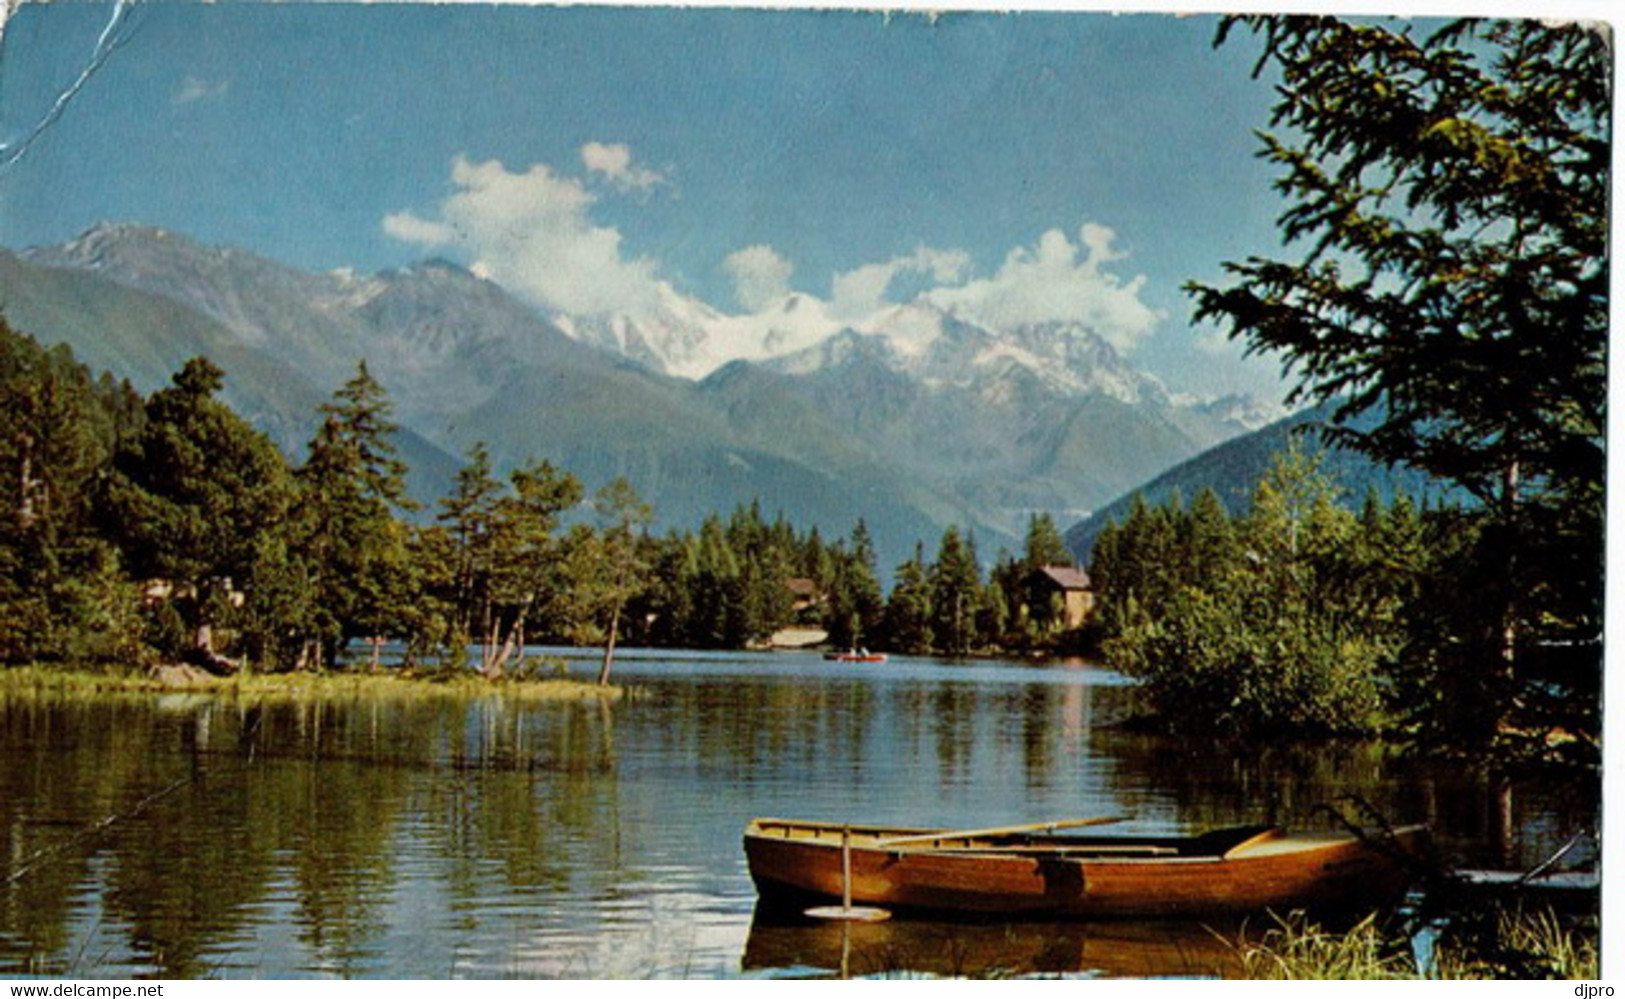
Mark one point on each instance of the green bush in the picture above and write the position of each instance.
(1282, 621)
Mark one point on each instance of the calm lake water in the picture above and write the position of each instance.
(190, 836)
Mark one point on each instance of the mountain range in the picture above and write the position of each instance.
(913, 418)
(1234, 468)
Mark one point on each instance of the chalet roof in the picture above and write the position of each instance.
(801, 586)
(1066, 577)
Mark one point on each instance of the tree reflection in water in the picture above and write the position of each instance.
(432, 837)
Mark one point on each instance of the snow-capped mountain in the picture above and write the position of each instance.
(913, 415)
(937, 347)
(684, 337)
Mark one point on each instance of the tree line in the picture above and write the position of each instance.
(1304, 615)
(1290, 617)
(1449, 188)
(168, 527)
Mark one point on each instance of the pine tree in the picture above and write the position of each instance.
(1208, 543)
(353, 485)
(955, 581)
(909, 609)
(1451, 190)
(469, 518)
(719, 620)
(195, 494)
(1044, 545)
(855, 612)
(60, 591)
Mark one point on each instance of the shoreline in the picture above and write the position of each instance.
(39, 678)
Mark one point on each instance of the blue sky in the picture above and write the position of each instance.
(726, 154)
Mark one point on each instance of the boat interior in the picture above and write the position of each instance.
(1217, 843)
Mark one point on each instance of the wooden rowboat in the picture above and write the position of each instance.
(1018, 871)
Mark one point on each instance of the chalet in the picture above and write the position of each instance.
(804, 593)
(1072, 584)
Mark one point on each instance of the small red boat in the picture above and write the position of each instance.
(859, 656)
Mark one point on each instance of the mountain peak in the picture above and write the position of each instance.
(441, 265)
(148, 257)
(105, 230)
(92, 247)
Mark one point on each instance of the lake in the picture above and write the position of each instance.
(184, 835)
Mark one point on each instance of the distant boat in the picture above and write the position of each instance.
(1017, 871)
(856, 656)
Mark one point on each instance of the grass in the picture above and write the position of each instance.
(1299, 949)
(68, 681)
(1507, 944)
(35, 679)
(1525, 945)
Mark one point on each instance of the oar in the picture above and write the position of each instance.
(851, 913)
(846, 911)
(998, 830)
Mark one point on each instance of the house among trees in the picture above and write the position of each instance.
(804, 593)
(1071, 585)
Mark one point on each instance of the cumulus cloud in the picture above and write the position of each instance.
(613, 162)
(531, 233)
(861, 291)
(761, 277)
(1059, 280)
(408, 228)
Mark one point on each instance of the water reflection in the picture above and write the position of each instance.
(193, 836)
(996, 950)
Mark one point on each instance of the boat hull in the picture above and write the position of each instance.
(1080, 877)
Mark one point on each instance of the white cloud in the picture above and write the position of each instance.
(613, 162)
(859, 292)
(531, 233)
(194, 89)
(408, 228)
(1058, 280)
(761, 277)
